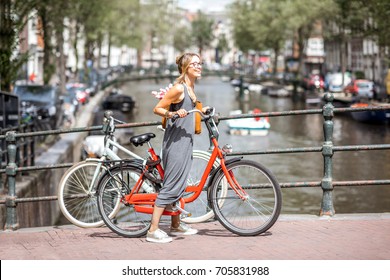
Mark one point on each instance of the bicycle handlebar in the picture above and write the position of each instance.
(209, 113)
(119, 121)
(108, 115)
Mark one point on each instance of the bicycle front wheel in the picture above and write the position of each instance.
(76, 196)
(200, 208)
(113, 186)
(258, 210)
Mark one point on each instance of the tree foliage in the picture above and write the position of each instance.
(376, 23)
(13, 16)
(240, 12)
(182, 38)
(202, 34)
(133, 23)
(262, 25)
(302, 18)
(268, 27)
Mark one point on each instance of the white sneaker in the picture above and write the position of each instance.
(183, 229)
(158, 236)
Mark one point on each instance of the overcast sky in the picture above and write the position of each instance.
(204, 5)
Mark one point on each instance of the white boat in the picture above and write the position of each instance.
(279, 91)
(258, 126)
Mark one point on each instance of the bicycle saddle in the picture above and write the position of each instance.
(142, 138)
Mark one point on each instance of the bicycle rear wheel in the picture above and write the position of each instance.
(113, 186)
(255, 213)
(76, 199)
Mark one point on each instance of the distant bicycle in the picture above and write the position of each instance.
(77, 196)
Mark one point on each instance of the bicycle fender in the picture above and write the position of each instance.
(139, 163)
(219, 168)
(92, 159)
(136, 163)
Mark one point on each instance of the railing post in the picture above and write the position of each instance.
(327, 152)
(1, 163)
(32, 148)
(11, 214)
(241, 87)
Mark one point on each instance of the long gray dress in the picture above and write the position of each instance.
(177, 153)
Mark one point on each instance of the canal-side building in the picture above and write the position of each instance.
(360, 56)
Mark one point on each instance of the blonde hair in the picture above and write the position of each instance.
(183, 62)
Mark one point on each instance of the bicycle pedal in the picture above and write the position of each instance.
(183, 216)
(183, 212)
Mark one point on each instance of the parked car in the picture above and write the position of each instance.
(360, 88)
(335, 83)
(81, 90)
(313, 82)
(118, 101)
(45, 99)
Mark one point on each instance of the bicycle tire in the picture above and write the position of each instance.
(258, 212)
(200, 208)
(77, 204)
(113, 185)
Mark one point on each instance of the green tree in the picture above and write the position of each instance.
(377, 24)
(126, 31)
(182, 38)
(268, 27)
(60, 10)
(240, 12)
(301, 17)
(53, 15)
(202, 31)
(345, 22)
(221, 48)
(257, 26)
(13, 16)
(155, 23)
(43, 8)
(93, 21)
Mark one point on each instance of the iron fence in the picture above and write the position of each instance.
(327, 149)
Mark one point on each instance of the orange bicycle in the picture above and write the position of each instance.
(244, 195)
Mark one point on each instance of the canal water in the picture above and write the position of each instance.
(289, 132)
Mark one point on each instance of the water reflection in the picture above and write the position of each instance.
(289, 132)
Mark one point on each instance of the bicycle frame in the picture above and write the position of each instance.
(139, 200)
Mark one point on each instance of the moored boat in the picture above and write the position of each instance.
(258, 126)
(279, 91)
(371, 116)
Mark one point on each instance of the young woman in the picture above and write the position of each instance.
(177, 145)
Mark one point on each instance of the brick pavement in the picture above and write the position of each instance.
(297, 237)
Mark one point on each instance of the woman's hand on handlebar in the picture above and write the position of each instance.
(182, 113)
(179, 114)
(205, 111)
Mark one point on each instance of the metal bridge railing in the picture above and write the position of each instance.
(327, 149)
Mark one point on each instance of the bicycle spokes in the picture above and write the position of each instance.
(231, 178)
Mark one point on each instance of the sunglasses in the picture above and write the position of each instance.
(196, 64)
